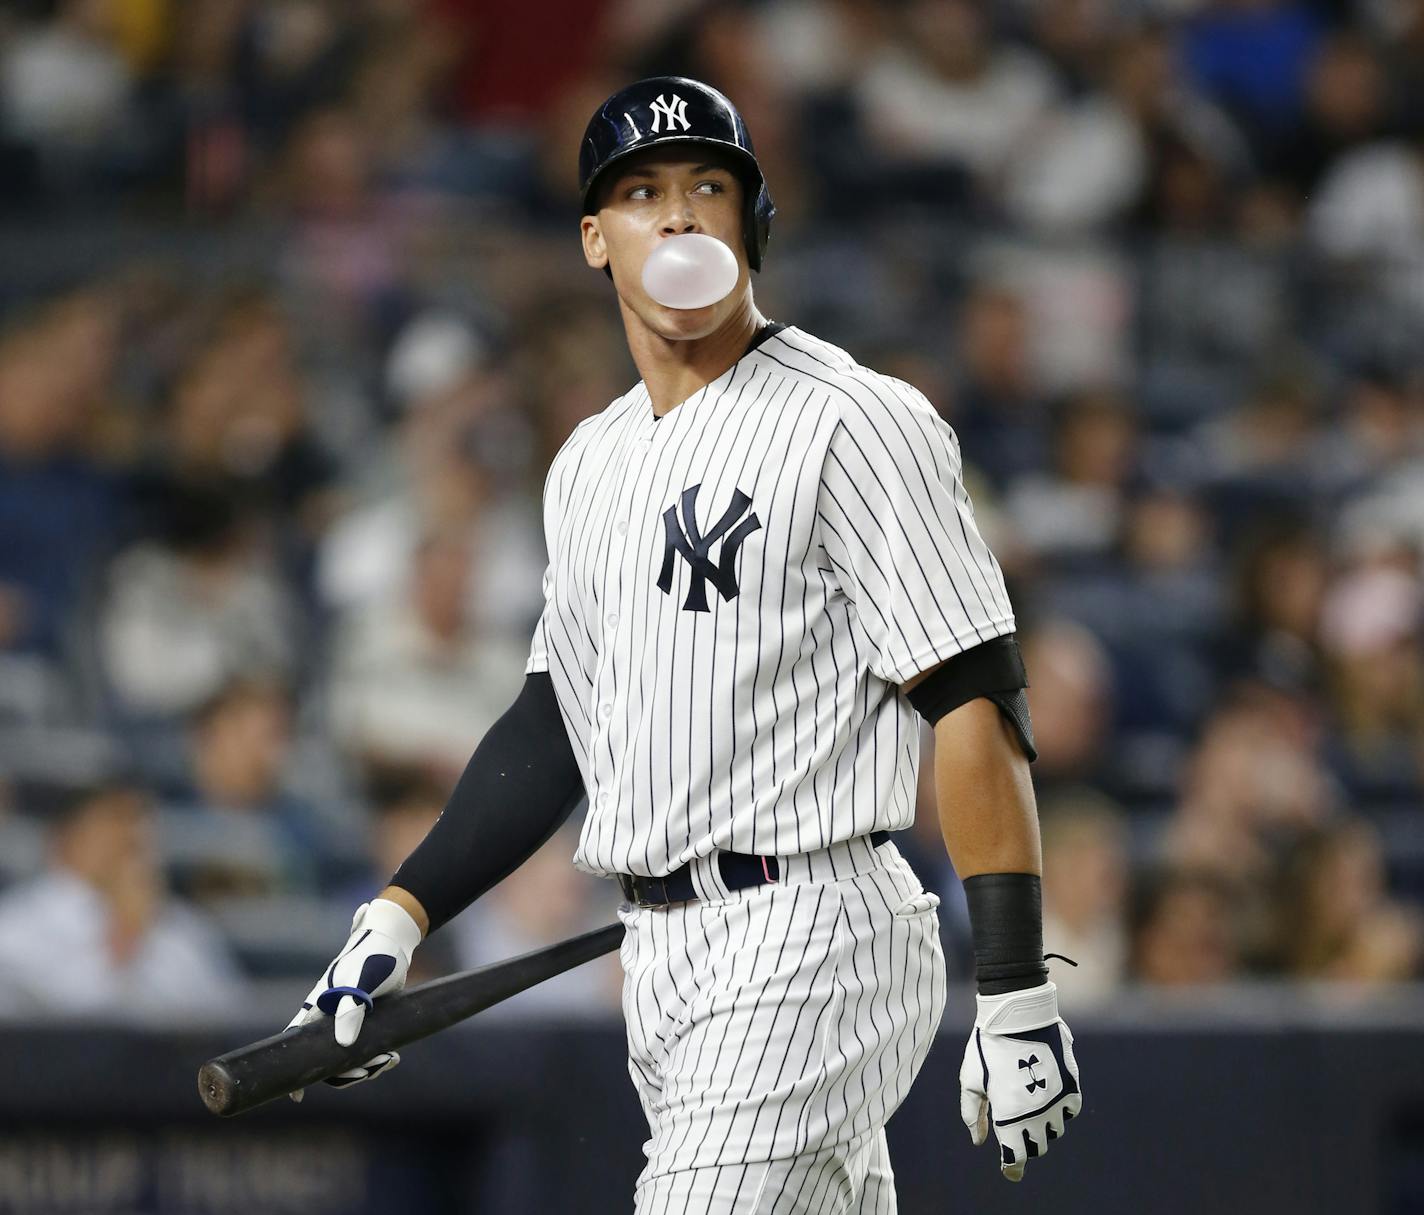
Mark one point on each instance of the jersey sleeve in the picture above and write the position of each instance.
(898, 528)
(552, 502)
(539, 644)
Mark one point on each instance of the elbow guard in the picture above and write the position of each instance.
(994, 670)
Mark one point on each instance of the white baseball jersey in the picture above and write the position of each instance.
(735, 591)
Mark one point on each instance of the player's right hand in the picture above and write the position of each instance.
(373, 962)
(1019, 1075)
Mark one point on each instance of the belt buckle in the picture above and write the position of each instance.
(643, 891)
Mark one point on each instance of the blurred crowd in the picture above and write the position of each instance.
(293, 317)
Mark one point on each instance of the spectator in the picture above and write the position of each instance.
(238, 418)
(454, 450)
(394, 92)
(1346, 103)
(1367, 219)
(1259, 450)
(1378, 448)
(1254, 782)
(60, 506)
(998, 408)
(1188, 191)
(1075, 37)
(1074, 512)
(1385, 511)
(1168, 608)
(1336, 920)
(946, 92)
(1183, 930)
(64, 87)
(1281, 578)
(1372, 632)
(97, 934)
(347, 238)
(1087, 162)
(1086, 870)
(186, 613)
(1167, 542)
(823, 45)
(1070, 695)
(234, 826)
(412, 681)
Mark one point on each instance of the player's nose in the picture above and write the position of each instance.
(680, 219)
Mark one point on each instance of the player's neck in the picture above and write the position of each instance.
(672, 371)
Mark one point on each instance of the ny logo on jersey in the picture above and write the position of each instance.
(675, 111)
(694, 546)
(1033, 1081)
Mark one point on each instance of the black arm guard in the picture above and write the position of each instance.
(993, 669)
(519, 787)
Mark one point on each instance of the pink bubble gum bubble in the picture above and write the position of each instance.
(690, 271)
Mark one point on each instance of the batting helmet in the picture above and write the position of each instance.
(674, 109)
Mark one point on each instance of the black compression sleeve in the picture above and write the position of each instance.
(519, 787)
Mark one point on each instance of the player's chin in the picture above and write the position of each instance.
(683, 324)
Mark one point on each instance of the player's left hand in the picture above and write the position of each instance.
(1020, 1072)
(373, 963)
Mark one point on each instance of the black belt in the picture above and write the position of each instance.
(738, 871)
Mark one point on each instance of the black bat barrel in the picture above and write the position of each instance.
(251, 1075)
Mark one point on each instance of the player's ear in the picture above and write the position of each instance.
(595, 252)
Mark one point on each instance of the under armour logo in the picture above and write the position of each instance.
(675, 111)
(1027, 1065)
(684, 538)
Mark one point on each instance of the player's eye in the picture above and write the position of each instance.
(712, 187)
(641, 192)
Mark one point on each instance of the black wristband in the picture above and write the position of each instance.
(1006, 920)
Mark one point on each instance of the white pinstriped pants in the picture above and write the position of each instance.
(773, 1031)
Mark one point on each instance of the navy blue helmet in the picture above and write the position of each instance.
(674, 109)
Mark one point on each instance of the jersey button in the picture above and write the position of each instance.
(605, 710)
(611, 620)
(621, 527)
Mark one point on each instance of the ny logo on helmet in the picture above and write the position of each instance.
(694, 547)
(675, 111)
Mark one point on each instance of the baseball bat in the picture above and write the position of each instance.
(262, 1071)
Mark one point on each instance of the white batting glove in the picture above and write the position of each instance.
(1019, 1070)
(373, 962)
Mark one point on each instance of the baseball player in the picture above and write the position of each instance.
(763, 571)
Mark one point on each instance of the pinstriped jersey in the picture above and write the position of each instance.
(735, 591)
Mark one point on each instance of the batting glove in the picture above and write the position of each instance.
(1019, 1070)
(373, 963)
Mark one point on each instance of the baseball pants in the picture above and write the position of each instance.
(773, 1031)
